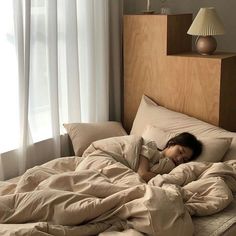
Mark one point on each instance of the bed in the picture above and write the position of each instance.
(159, 63)
(97, 191)
(172, 122)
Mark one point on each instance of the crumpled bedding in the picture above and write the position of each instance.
(100, 193)
(206, 188)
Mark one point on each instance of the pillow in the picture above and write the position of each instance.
(158, 135)
(213, 148)
(151, 113)
(83, 134)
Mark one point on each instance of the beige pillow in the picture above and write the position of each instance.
(213, 148)
(150, 113)
(83, 134)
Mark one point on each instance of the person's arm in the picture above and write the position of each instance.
(143, 169)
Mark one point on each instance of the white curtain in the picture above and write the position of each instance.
(66, 69)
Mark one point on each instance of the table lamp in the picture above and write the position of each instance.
(206, 24)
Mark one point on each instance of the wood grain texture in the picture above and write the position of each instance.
(186, 82)
(140, 58)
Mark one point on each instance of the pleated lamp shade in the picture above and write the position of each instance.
(206, 22)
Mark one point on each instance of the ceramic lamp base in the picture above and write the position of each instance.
(206, 45)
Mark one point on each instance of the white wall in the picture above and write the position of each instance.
(225, 8)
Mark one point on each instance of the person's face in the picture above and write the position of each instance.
(178, 154)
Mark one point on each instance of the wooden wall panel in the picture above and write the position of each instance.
(195, 92)
(185, 82)
(140, 60)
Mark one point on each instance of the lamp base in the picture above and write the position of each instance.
(206, 45)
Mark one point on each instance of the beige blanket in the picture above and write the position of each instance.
(206, 188)
(99, 193)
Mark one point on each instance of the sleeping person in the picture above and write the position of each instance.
(143, 156)
(180, 149)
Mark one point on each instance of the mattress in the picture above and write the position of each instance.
(222, 223)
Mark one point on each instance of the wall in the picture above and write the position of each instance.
(225, 9)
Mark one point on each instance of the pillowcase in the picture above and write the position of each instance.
(151, 113)
(213, 148)
(158, 135)
(83, 134)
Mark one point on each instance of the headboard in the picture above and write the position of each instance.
(158, 62)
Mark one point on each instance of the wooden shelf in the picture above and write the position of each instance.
(216, 55)
(158, 62)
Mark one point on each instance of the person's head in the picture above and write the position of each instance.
(183, 148)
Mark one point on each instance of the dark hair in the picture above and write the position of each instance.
(187, 140)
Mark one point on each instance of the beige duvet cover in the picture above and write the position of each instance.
(99, 193)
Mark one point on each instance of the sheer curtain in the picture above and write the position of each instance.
(64, 67)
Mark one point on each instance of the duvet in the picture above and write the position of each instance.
(100, 193)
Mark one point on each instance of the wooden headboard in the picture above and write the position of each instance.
(158, 62)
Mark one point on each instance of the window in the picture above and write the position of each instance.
(39, 115)
(9, 116)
